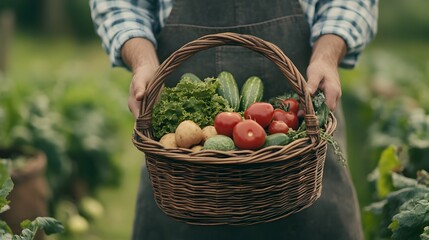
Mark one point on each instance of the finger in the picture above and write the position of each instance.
(314, 78)
(134, 106)
(133, 102)
(333, 95)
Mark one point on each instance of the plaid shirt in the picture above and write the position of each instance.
(117, 21)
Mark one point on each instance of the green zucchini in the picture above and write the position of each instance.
(194, 78)
(276, 139)
(251, 92)
(229, 90)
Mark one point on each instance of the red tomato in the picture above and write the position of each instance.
(261, 112)
(291, 105)
(290, 118)
(279, 115)
(248, 134)
(278, 127)
(224, 122)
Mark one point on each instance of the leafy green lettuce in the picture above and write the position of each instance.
(188, 100)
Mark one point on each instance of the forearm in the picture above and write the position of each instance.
(330, 49)
(139, 52)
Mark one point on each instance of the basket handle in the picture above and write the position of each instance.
(269, 50)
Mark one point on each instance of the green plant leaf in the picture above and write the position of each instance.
(423, 177)
(388, 163)
(411, 219)
(6, 185)
(390, 206)
(400, 181)
(5, 229)
(48, 224)
(425, 234)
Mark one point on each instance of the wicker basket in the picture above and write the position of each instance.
(237, 187)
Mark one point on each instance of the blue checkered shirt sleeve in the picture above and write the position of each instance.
(117, 21)
(353, 20)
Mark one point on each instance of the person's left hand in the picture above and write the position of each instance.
(324, 76)
(322, 72)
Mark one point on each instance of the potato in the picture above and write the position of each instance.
(208, 131)
(188, 134)
(196, 148)
(168, 140)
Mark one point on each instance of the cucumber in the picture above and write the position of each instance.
(276, 139)
(251, 92)
(191, 77)
(228, 89)
(219, 142)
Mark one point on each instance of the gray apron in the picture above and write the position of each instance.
(335, 216)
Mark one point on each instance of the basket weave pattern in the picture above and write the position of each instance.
(236, 187)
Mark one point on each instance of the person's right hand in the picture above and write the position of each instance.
(142, 76)
(140, 55)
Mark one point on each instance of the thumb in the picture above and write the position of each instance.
(138, 88)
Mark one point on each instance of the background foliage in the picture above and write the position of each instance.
(59, 77)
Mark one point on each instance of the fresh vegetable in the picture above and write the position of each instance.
(208, 131)
(188, 134)
(282, 101)
(276, 139)
(290, 104)
(228, 89)
(219, 142)
(261, 112)
(321, 109)
(248, 134)
(198, 102)
(278, 127)
(196, 148)
(168, 140)
(191, 77)
(252, 91)
(224, 122)
(290, 118)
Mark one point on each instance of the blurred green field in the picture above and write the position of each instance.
(39, 61)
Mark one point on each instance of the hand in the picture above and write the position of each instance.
(325, 77)
(142, 76)
(140, 55)
(322, 72)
